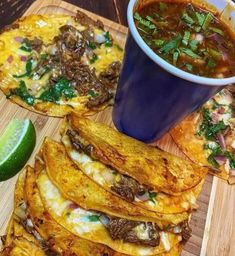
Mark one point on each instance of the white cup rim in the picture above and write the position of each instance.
(164, 64)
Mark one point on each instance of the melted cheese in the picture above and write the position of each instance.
(77, 218)
(165, 241)
(45, 27)
(78, 221)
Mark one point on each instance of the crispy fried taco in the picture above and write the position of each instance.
(90, 212)
(207, 136)
(53, 64)
(143, 175)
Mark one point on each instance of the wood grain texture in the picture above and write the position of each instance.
(219, 236)
(46, 126)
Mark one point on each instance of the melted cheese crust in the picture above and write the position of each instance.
(45, 27)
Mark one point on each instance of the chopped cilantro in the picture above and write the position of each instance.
(93, 94)
(159, 42)
(216, 150)
(29, 68)
(25, 46)
(186, 18)
(171, 45)
(23, 93)
(189, 67)
(44, 56)
(231, 158)
(200, 18)
(152, 197)
(211, 63)
(175, 57)
(217, 30)
(108, 41)
(144, 22)
(93, 59)
(208, 128)
(207, 21)
(149, 18)
(92, 45)
(94, 218)
(193, 45)
(61, 88)
(186, 37)
(190, 53)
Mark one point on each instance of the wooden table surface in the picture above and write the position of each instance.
(221, 235)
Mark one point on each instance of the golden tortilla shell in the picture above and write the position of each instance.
(96, 171)
(73, 220)
(51, 231)
(77, 187)
(184, 136)
(158, 169)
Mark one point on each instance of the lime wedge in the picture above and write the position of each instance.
(16, 146)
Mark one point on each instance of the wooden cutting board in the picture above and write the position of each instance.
(213, 224)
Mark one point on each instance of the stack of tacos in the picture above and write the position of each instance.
(99, 192)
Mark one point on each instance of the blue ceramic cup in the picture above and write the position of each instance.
(153, 95)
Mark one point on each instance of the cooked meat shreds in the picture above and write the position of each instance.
(77, 144)
(128, 188)
(186, 231)
(35, 44)
(133, 231)
(70, 43)
(86, 82)
(110, 76)
(3, 239)
(83, 19)
(88, 35)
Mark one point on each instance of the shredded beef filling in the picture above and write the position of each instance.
(134, 231)
(35, 44)
(110, 76)
(128, 188)
(70, 43)
(77, 144)
(83, 19)
(65, 61)
(86, 82)
(186, 231)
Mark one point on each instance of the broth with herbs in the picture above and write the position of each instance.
(190, 38)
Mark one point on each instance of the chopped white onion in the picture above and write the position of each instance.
(99, 38)
(199, 38)
(104, 220)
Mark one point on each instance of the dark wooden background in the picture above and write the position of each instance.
(114, 10)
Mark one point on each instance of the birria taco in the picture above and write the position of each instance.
(140, 174)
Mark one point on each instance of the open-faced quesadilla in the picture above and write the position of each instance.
(53, 64)
(207, 136)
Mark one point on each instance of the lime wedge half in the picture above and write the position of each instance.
(16, 146)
